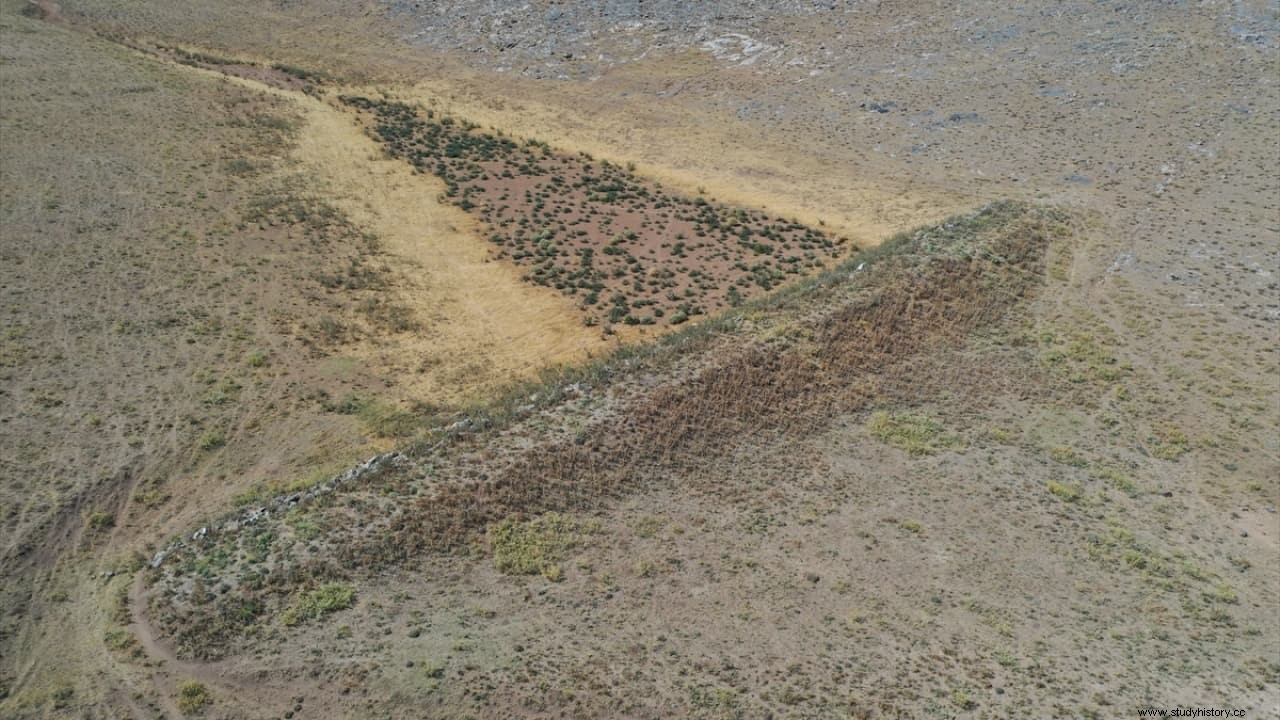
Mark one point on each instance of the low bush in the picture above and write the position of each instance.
(536, 546)
(193, 697)
(324, 600)
(916, 435)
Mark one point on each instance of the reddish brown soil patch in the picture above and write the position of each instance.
(627, 249)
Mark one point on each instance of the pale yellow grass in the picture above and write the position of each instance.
(481, 325)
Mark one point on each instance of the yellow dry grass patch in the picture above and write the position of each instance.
(481, 325)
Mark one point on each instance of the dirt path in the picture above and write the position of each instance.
(172, 671)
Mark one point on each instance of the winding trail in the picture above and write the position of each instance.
(171, 669)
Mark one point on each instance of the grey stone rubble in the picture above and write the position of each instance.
(281, 503)
(578, 39)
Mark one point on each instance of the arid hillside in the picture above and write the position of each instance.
(740, 359)
(195, 314)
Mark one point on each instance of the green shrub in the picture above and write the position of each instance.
(62, 695)
(916, 435)
(99, 520)
(962, 700)
(314, 604)
(386, 420)
(298, 72)
(380, 418)
(1064, 492)
(193, 697)
(1066, 456)
(1119, 481)
(118, 639)
(534, 547)
(211, 440)
(1170, 443)
(1224, 593)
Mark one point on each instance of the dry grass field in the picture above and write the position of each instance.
(987, 426)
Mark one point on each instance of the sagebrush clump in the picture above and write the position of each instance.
(914, 434)
(193, 697)
(536, 546)
(314, 604)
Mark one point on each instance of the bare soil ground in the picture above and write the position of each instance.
(1022, 463)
